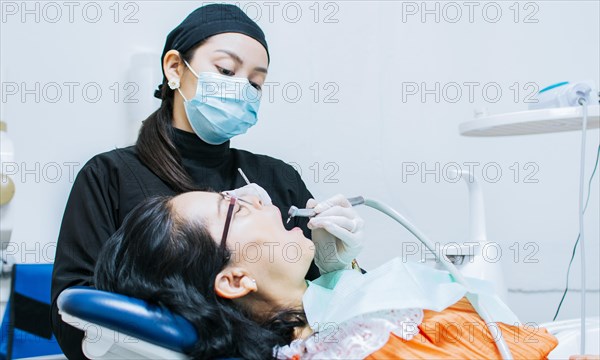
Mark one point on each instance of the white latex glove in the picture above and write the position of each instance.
(254, 190)
(336, 232)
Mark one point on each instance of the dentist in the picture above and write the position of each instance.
(214, 64)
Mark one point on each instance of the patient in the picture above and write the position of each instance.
(230, 267)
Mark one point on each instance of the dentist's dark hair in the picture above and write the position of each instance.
(155, 145)
(172, 262)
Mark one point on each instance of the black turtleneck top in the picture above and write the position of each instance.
(111, 184)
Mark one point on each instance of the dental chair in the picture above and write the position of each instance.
(568, 333)
(121, 327)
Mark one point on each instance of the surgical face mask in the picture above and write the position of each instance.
(222, 108)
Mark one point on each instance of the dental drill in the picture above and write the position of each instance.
(456, 275)
(295, 212)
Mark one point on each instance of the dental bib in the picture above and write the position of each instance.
(341, 295)
(352, 314)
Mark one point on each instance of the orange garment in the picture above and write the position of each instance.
(458, 332)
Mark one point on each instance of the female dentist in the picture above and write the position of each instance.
(214, 64)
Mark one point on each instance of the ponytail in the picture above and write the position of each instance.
(155, 145)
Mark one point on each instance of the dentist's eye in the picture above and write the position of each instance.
(256, 86)
(224, 71)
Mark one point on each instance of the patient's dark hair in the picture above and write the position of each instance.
(168, 261)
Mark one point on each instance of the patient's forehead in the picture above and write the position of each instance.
(197, 204)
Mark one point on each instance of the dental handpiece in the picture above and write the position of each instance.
(295, 212)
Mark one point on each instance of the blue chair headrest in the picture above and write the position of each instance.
(130, 316)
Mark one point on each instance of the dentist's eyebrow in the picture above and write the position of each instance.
(239, 60)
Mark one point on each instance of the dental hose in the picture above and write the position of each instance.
(499, 339)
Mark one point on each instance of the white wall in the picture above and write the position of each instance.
(372, 52)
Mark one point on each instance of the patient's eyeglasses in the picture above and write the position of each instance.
(232, 201)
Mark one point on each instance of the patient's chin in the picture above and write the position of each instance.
(309, 248)
(298, 248)
(305, 242)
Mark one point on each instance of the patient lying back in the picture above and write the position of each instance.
(231, 268)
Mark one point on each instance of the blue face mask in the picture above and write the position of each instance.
(223, 107)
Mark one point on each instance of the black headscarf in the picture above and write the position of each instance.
(205, 22)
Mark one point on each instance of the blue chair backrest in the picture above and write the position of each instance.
(129, 316)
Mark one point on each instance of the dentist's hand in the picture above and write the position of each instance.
(336, 232)
(254, 190)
